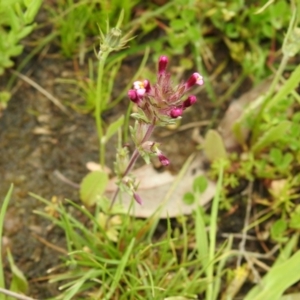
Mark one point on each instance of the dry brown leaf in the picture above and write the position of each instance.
(234, 112)
(93, 166)
(158, 190)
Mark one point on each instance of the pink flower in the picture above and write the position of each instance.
(140, 87)
(196, 78)
(162, 102)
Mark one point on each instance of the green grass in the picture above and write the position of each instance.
(2, 215)
(140, 263)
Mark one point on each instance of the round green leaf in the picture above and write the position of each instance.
(92, 187)
(189, 198)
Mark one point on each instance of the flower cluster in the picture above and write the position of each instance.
(161, 103)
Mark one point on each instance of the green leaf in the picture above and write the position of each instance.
(120, 270)
(277, 280)
(200, 184)
(92, 187)
(288, 249)
(294, 296)
(188, 198)
(5, 96)
(276, 156)
(243, 120)
(112, 129)
(18, 283)
(33, 7)
(287, 159)
(24, 32)
(278, 230)
(272, 135)
(295, 218)
(202, 243)
(213, 146)
(287, 88)
(178, 24)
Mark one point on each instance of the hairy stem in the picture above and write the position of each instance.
(99, 106)
(135, 155)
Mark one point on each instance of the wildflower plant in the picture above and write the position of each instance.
(159, 104)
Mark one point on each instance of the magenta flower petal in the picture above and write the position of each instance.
(147, 85)
(189, 101)
(163, 159)
(199, 80)
(162, 64)
(135, 97)
(176, 112)
(132, 95)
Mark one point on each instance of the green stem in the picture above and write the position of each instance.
(268, 97)
(212, 234)
(99, 107)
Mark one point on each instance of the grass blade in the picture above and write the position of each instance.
(120, 270)
(277, 280)
(2, 215)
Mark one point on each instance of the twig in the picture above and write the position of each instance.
(268, 255)
(54, 100)
(50, 245)
(255, 273)
(15, 295)
(239, 236)
(64, 179)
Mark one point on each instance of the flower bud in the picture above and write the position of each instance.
(113, 38)
(189, 101)
(196, 78)
(133, 96)
(147, 85)
(162, 64)
(163, 160)
(176, 112)
(137, 198)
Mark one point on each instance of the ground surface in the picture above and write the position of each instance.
(36, 139)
